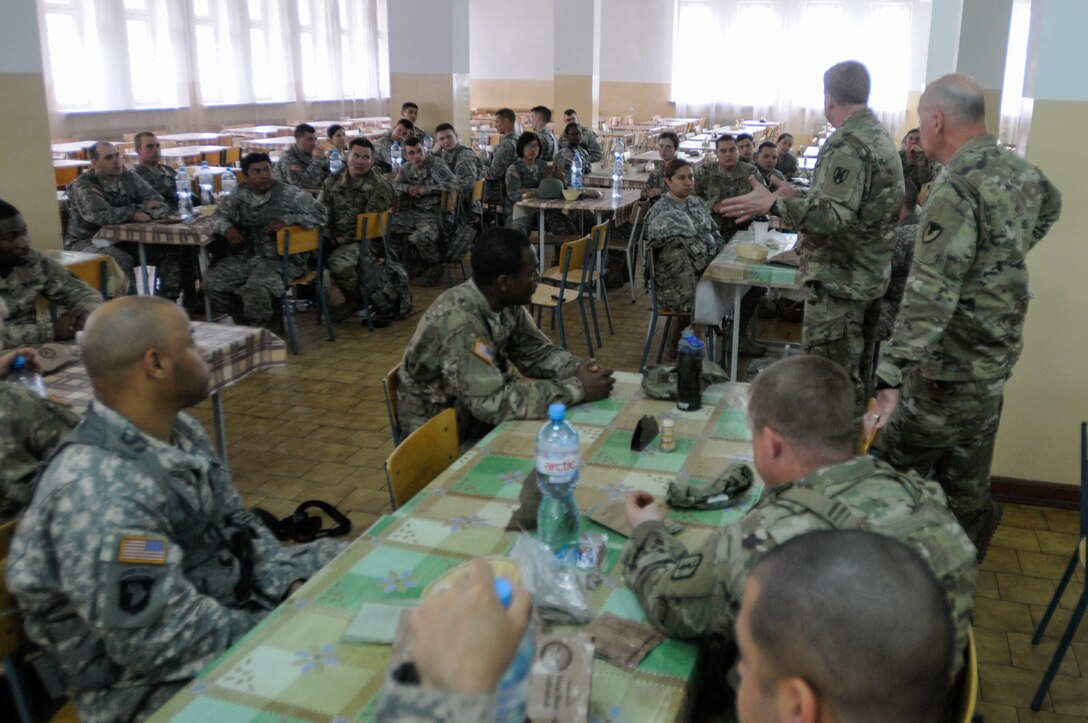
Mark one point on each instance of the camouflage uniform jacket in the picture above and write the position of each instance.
(435, 177)
(504, 155)
(657, 177)
(713, 184)
(39, 277)
(383, 151)
(590, 144)
(765, 178)
(548, 144)
(564, 162)
(848, 218)
(250, 214)
(521, 176)
(30, 428)
(466, 165)
(787, 165)
(407, 703)
(136, 565)
(163, 179)
(299, 170)
(920, 170)
(902, 256)
(962, 314)
(346, 197)
(94, 202)
(466, 356)
(694, 593)
(686, 222)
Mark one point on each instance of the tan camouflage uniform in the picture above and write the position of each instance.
(847, 223)
(489, 367)
(902, 257)
(685, 239)
(248, 281)
(960, 326)
(420, 219)
(300, 170)
(39, 277)
(693, 593)
(712, 184)
(30, 427)
(135, 565)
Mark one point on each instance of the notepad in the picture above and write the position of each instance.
(375, 623)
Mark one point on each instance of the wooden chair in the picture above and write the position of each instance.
(232, 156)
(369, 227)
(601, 234)
(12, 639)
(65, 175)
(496, 202)
(968, 683)
(421, 456)
(655, 312)
(575, 258)
(632, 248)
(1080, 553)
(389, 390)
(292, 241)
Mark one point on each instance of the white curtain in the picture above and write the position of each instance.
(1012, 90)
(766, 58)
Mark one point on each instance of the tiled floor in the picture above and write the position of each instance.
(317, 428)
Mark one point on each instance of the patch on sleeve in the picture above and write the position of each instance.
(687, 566)
(142, 550)
(932, 231)
(482, 350)
(840, 174)
(134, 589)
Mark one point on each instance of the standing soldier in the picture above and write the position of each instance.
(505, 152)
(542, 116)
(847, 221)
(420, 185)
(960, 326)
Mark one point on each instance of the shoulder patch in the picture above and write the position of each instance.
(134, 589)
(840, 174)
(687, 566)
(142, 549)
(933, 230)
(482, 350)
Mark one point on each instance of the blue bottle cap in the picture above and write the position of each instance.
(505, 591)
(18, 363)
(557, 411)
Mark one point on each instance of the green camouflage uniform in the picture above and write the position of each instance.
(135, 565)
(564, 162)
(466, 356)
(590, 144)
(847, 223)
(420, 220)
(163, 179)
(921, 170)
(248, 281)
(466, 165)
(960, 325)
(696, 593)
(902, 257)
(94, 202)
(765, 178)
(657, 177)
(685, 240)
(520, 177)
(383, 152)
(712, 184)
(296, 169)
(30, 427)
(548, 144)
(495, 169)
(403, 702)
(787, 165)
(39, 277)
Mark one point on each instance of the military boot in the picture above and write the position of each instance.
(352, 303)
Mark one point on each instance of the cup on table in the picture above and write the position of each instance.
(761, 230)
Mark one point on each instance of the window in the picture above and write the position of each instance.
(150, 55)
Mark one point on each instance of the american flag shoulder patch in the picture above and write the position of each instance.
(142, 549)
(482, 350)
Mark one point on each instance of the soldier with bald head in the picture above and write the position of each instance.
(136, 565)
(960, 325)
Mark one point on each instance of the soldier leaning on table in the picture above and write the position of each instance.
(135, 565)
(106, 195)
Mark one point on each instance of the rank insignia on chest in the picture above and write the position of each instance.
(687, 566)
(933, 230)
(142, 549)
(841, 174)
(482, 350)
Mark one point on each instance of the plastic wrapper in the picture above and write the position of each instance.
(558, 592)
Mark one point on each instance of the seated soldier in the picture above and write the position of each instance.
(524, 177)
(461, 159)
(30, 428)
(590, 144)
(136, 565)
(684, 239)
(505, 151)
(843, 625)
(476, 349)
(746, 147)
(801, 413)
(383, 147)
(542, 116)
(25, 277)
(247, 282)
(107, 194)
(409, 111)
(787, 162)
(767, 166)
(571, 149)
(668, 143)
(419, 186)
(359, 188)
(303, 164)
(902, 258)
(338, 138)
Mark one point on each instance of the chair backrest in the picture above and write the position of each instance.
(372, 225)
(292, 240)
(600, 233)
(572, 255)
(421, 456)
(965, 706)
(232, 155)
(389, 389)
(478, 190)
(449, 202)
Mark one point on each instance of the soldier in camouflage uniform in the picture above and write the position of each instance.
(902, 257)
(960, 326)
(383, 147)
(106, 195)
(589, 143)
(801, 414)
(303, 164)
(477, 349)
(847, 223)
(136, 565)
(716, 182)
(419, 186)
(564, 157)
(918, 168)
(464, 163)
(248, 283)
(504, 154)
(25, 277)
(542, 116)
(668, 143)
(409, 111)
(787, 163)
(525, 174)
(359, 188)
(766, 161)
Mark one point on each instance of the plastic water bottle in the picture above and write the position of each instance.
(26, 376)
(689, 369)
(557, 476)
(184, 188)
(617, 170)
(206, 179)
(428, 143)
(228, 182)
(395, 156)
(482, 141)
(513, 691)
(336, 160)
(576, 171)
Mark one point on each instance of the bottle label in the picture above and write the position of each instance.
(558, 465)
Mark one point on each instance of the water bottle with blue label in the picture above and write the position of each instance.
(21, 373)
(557, 477)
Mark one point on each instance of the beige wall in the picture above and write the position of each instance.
(26, 175)
(517, 94)
(441, 97)
(581, 92)
(648, 99)
(1047, 397)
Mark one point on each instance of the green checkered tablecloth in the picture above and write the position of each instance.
(292, 667)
